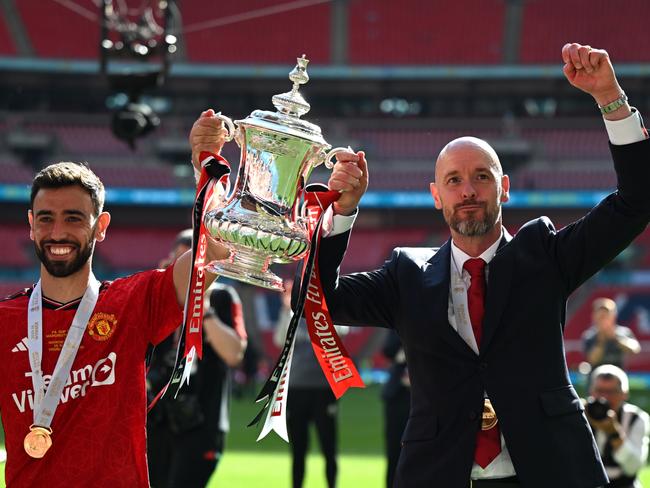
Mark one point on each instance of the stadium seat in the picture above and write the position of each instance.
(15, 245)
(7, 47)
(255, 31)
(135, 249)
(549, 24)
(415, 32)
(58, 31)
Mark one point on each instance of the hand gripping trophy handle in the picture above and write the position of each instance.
(329, 164)
(230, 127)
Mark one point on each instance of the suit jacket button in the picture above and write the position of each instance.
(482, 366)
(472, 415)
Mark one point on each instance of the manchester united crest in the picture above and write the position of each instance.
(101, 326)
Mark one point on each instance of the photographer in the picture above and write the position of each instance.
(620, 428)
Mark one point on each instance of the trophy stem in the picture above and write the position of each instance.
(247, 267)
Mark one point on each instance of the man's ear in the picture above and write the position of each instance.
(505, 188)
(435, 195)
(30, 218)
(103, 219)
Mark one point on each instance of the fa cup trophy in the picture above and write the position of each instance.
(260, 221)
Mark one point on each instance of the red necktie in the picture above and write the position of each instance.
(488, 442)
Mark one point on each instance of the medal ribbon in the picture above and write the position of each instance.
(332, 356)
(213, 183)
(46, 399)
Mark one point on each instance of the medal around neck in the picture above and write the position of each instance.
(37, 441)
(260, 222)
(489, 419)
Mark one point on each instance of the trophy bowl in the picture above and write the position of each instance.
(260, 221)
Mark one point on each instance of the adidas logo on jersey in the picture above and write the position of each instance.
(21, 346)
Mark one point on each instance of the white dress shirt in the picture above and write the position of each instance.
(501, 466)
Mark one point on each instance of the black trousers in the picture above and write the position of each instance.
(396, 414)
(304, 406)
(185, 460)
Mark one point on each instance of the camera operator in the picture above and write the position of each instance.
(620, 428)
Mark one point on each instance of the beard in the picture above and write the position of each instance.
(61, 269)
(473, 226)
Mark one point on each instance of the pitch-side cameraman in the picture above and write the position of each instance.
(621, 429)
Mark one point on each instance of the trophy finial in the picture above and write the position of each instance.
(293, 103)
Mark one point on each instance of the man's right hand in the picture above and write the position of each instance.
(208, 134)
(350, 177)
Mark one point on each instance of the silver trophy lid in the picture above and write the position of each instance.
(290, 105)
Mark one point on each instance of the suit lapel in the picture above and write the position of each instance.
(501, 268)
(436, 284)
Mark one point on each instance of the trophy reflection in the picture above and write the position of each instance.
(260, 221)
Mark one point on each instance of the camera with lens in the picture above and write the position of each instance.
(597, 408)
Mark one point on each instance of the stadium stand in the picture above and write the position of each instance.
(14, 172)
(369, 248)
(550, 21)
(552, 178)
(256, 31)
(58, 31)
(135, 249)
(7, 47)
(425, 37)
(16, 247)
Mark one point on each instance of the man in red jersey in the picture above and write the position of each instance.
(73, 392)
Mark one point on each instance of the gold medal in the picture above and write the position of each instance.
(489, 416)
(37, 441)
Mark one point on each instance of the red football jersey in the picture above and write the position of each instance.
(98, 430)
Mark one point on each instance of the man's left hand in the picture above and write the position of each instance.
(591, 71)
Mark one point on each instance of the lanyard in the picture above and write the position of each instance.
(46, 400)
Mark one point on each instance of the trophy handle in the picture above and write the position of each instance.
(333, 152)
(230, 127)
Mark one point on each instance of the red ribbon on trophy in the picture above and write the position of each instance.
(332, 356)
(213, 183)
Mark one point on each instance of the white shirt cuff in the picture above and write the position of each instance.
(625, 131)
(334, 225)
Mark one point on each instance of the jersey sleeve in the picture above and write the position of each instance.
(164, 312)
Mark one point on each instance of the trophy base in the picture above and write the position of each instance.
(248, 269)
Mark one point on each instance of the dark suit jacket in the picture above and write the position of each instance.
(521, 364)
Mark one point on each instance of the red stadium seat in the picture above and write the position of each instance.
(135, 249)
(6, 42)
(369, 248)
(13, 172)
(416, 32)
(255, 31)
(16, 246)
(549, 24)
(57, 31)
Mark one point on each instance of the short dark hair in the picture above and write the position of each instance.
(67, 173)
